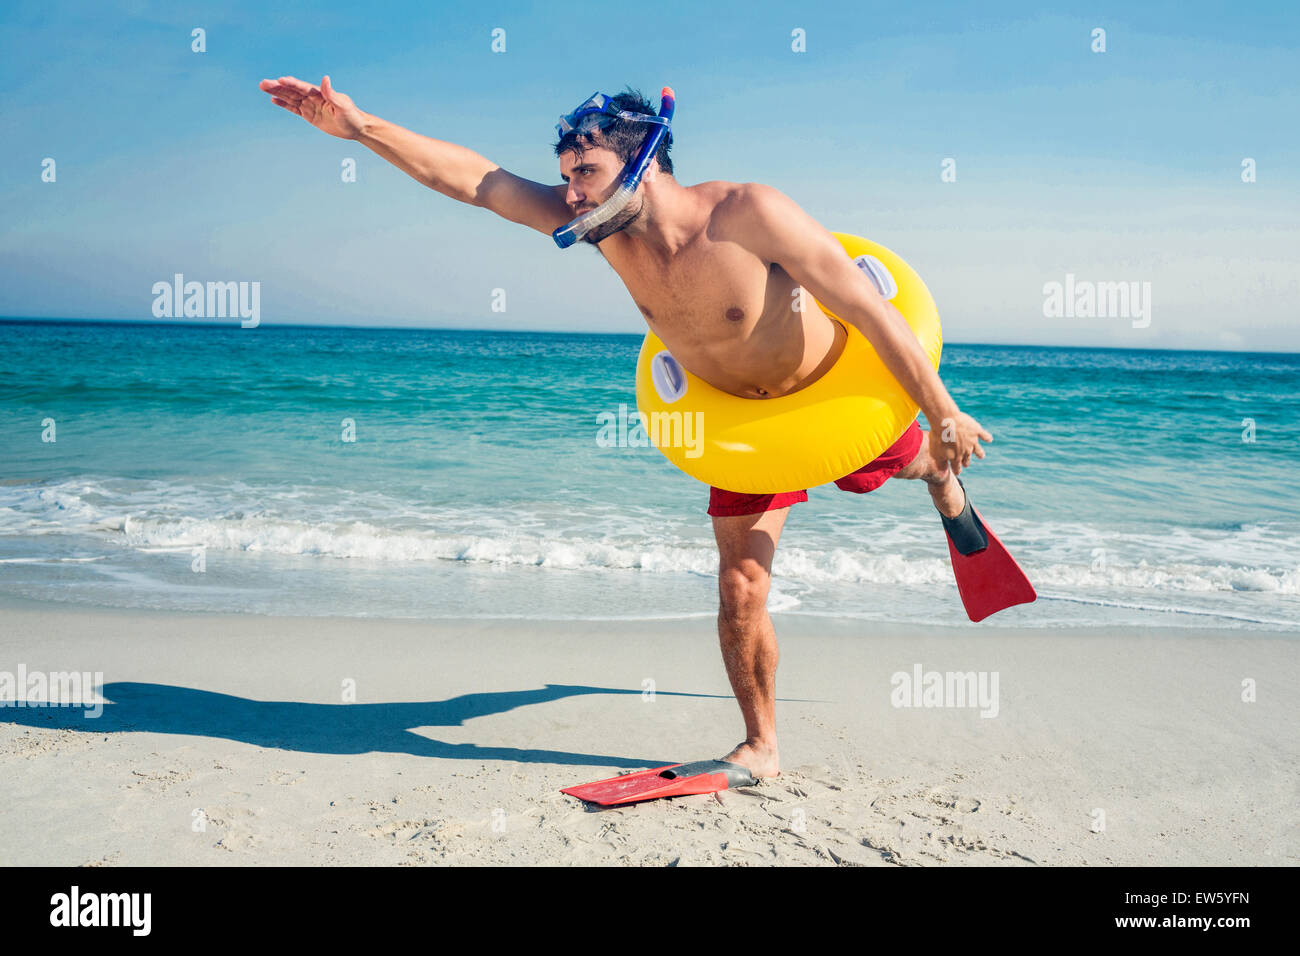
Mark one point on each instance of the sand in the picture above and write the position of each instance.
(228, 741)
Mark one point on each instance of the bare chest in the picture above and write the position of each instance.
(727, 315)
(708, 299)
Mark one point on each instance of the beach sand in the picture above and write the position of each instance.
(228, 742)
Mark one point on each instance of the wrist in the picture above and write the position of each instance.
(936, 414)
(367, 127)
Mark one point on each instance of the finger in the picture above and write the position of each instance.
(299, 86)
(327, 90)
(289, 106)
(311, 104)
(284, 92)
(980, 430)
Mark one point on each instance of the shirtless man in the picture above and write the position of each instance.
(713, 268)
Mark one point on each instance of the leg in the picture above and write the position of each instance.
(746, 544)
(947, 494)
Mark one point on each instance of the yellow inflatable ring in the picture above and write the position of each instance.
(824, 431)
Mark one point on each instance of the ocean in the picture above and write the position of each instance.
(198, 467)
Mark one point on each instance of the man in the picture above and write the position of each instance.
(713, 268)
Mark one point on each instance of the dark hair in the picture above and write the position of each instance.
(622, 136)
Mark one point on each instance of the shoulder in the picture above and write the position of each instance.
(748, 206)
(751, 198)
(763, 220)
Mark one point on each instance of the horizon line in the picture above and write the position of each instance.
(233, 324)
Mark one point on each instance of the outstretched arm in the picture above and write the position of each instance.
(450, 169)
(778, 230)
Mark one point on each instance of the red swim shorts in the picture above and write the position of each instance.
(729, 504)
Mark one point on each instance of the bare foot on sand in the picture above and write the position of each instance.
(761, 760)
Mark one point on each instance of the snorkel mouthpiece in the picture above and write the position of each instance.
(576, 230)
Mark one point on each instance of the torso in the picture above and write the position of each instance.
(725, 314)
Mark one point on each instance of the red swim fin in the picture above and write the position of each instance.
(988, 578)
(674, 780)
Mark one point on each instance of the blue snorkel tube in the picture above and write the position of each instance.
(590, 114)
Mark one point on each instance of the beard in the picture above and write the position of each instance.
(625, 218)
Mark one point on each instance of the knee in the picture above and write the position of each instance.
(742, 591)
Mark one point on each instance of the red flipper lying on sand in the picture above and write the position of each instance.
(674, 780)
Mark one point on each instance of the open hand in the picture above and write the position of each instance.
(955, 439)
(323, 106)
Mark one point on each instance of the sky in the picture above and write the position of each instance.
(1122, 166)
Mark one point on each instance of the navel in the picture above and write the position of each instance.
(648, 314)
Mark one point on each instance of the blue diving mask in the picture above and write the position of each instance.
(595, 113)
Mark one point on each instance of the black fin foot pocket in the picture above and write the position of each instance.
(966, 531)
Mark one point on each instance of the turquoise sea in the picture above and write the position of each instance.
(206, 468)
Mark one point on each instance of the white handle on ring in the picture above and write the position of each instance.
(668, 376)
(880, 277)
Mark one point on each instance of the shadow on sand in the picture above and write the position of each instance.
(320, 728)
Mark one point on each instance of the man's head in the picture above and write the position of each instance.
(592, 161)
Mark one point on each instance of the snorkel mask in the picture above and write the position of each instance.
(596, 112)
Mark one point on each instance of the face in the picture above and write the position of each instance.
(592, 179)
